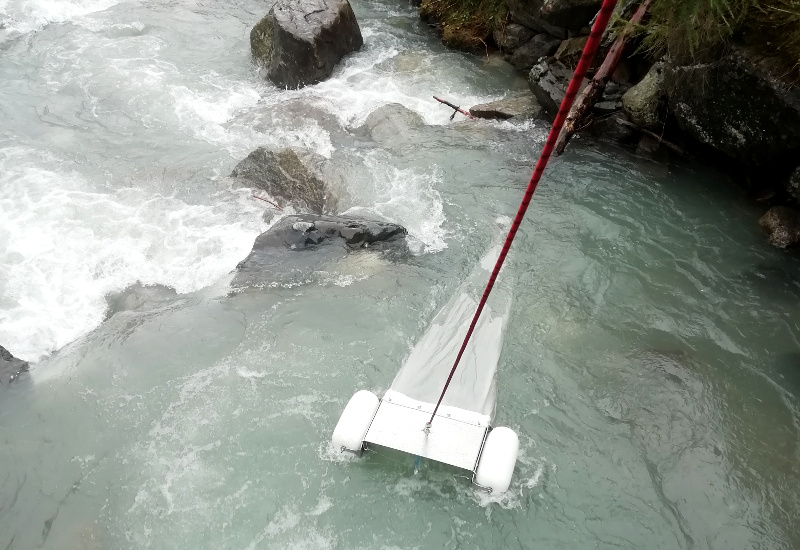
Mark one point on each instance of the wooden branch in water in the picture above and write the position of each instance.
(594, 89)
(267, 201)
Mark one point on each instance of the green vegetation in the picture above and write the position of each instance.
(466, 24)
(691, 28)
(686, 29)
(694, 29)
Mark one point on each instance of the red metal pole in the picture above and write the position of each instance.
(600, 24)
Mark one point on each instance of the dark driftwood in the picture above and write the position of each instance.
(594, 89)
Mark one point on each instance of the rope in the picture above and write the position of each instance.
(599, 27)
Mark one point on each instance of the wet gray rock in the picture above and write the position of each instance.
(645, 103)
(389, 121)
(299, 42)
(297, 245)
(287, 178)
(512, 36)
(527, 55)
(607, 107)
(523, 106)
(10, 367)
(793, 186)
(569, 51)
(782, 225)
(614, 91)
(736, 107)
(548, 80)
(553, 15)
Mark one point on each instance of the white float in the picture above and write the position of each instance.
(496, 465)
(355, 421)
(457, 437)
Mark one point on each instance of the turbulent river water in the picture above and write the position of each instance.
(650, 364)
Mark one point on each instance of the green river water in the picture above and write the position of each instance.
(650, 365)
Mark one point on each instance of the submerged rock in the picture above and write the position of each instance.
(10, 367)
(138, 297)
(645, 102)
(523, 105)
(390, 121)
(300, 42)
(297, 245)
(736, 107)
(782, 225)
(527, 55)
(286, 178)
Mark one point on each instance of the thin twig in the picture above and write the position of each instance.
(267, 201)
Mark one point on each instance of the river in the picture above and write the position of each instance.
(650, 364)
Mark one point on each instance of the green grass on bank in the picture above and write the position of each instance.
(693, 29)
(686, 29)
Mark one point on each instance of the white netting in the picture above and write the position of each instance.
(425, 371)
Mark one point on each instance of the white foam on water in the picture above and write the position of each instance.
(208, 109)
(64, 246)
(386, 71)
(406, 197)
(206, 112)
(323, 505)
(285, 526)
(29, 15)
(142, 82)
(362, 86)
(527, 476)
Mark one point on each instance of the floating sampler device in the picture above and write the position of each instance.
(461, 432)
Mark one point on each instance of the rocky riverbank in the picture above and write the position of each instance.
(736, 108)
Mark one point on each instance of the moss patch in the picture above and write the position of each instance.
(466, 24)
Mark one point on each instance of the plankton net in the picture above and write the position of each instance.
(464, 418)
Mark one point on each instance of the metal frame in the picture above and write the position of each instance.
(365, 446)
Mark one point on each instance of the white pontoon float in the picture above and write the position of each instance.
(461, 433)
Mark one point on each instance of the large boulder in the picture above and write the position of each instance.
(553, 15)
(299, 42)
(527, 55)
(522, 106)
(735, 106)
(782, 225)
(297, 245)
(548, 80)
(287, 178)
(645, 103)
(10, 367)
